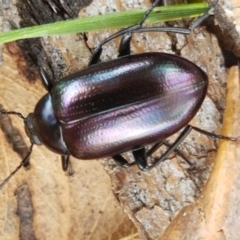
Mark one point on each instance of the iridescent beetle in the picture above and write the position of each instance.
(121, 105)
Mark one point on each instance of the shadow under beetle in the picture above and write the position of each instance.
(121, 105)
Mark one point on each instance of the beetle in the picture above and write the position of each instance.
(122, 105)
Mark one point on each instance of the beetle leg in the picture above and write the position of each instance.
(45, 79)
(180, 30)
(179, 153)
(124, 48)
(138, 28)
(96, 54)
(213, 135)
(65, 162)
(98, 50)
(157, 145)
(199, 20)
(147, 13)
(140, 158)
(119, 159)
(154, 148)
(180, 138)
(125, 43)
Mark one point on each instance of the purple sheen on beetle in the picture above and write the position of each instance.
(114, 106)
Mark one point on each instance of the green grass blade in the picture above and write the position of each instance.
(106, 21)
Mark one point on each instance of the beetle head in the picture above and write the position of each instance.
(30, 130)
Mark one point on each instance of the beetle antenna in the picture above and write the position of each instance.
(24, 161)
(13, 113)
(18, 167)
(147, 13)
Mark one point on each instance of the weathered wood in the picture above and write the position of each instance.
(79, 207)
